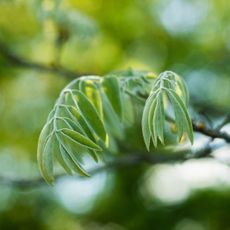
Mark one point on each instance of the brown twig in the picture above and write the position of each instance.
(213, 133)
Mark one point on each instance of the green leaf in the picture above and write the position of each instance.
(90, 90)
(145, 127)
(90, 115)
(179, 119)
(153, 121)
(184, 113)
(112, 121)
(153, 117)
(183, 89)
(112, 90)
(75, 151)
(62, 158)
(71, 160)
(161, 119)
(145, 122)
(80, 139)
(78, 118)
(45, 154)
(65, 122)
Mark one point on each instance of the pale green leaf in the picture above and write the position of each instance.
(145, 122)
(90, 115)
(45, 157)
(80, 139)
(71, 160)
(112, 90)
(184, 111)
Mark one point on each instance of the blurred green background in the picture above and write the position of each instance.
(190, 37)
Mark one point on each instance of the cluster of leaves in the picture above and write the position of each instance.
(168, 87)
(91, 109)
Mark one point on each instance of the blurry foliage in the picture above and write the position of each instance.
(13, 26)
(188, 37)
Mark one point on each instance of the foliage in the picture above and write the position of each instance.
(80, 120)
(189, 37)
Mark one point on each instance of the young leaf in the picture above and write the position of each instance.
(90, 89)
(168, 83)
(184, 113)
(80, 139)
(112, 90)
(61, 158)
(72, 162)
(90, 114)
(145, 122)
(45, 158)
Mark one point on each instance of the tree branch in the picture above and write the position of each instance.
(128, 160)
(18, 61)
(213, 133)
(133, 158)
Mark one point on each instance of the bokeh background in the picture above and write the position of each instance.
(190, 37)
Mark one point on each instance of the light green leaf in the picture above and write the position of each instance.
(183, 89)
(61, 158)
(80, 139)
(45, 155)
(145, 122)
(71, 160)
(161, 119)
(78, 117)
(90, 90)
(183, 112)
(112, 90)
(90, 115)
(154, 121)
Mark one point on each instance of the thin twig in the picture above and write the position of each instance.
(203, 129)
(213, 133)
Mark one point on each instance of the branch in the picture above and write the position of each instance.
(133, 158)
(130, 159)
(213, 133)
(18, 61)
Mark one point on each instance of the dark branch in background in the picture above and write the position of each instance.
(213, 133)
(18, 61)
(132, 158)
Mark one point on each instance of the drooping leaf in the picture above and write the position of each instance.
(112, 90)
(90, 89)
(167, 84)
(184, 114)
(45, 154)
(145, 122)
(90, 115)
(80, 139)
(90, 109)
